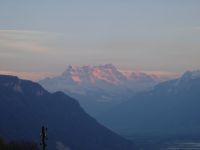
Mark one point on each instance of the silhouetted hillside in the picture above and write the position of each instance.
(25, 106)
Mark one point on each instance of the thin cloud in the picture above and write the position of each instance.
(190, 29)
(196, 29)
(25, 41)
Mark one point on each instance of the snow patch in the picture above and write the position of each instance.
(61, 146)
(76, 78)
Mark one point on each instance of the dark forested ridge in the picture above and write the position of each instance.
(25, 106)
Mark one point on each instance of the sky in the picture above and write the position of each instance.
(44, 37)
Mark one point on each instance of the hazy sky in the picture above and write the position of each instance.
(47, 35)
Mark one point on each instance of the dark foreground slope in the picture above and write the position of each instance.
(25, 106)
(18, 145)
(172, 107)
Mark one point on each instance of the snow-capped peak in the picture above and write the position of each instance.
(91, 74)
(70, 68)
(187, 76)
(191, 75)
(107, 79)
(195, 74)
(72, 72)
(104, 73)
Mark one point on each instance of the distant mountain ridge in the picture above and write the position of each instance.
(92, 74)
(100, 87)
(25, 106)
(108, 73)
(171, 107)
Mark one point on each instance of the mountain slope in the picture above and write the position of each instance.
(98, 88)
(172, 107)
(25, 106)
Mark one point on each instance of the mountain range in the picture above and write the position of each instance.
(171, 107)
(99, 88)
(25, 106)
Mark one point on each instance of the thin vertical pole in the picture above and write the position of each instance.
(43, 136)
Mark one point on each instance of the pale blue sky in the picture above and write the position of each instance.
(47, 35)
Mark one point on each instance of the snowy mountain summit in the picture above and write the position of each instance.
(92, 74)
(191, 75)
(102, 83)
(107, 73)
